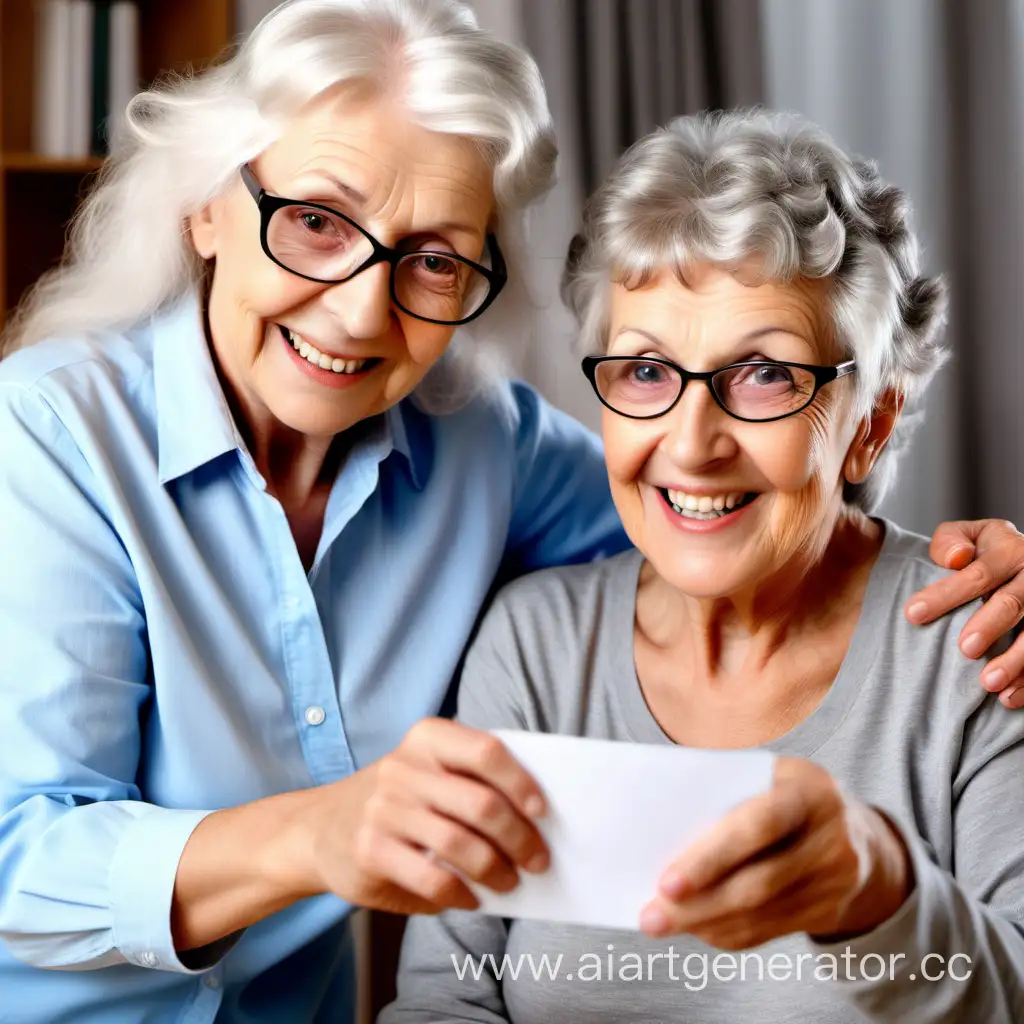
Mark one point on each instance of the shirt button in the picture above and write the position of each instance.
(315, 715)
(149, 959)
(211, 981)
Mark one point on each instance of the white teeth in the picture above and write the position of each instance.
(313, 355)
(704, 506)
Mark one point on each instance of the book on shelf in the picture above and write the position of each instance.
(86, 71)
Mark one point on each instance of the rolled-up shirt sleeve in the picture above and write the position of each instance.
(86, 867)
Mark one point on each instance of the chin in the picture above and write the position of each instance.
(706, 578)
(318, 419)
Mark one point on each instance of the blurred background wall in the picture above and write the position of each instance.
(931, 89)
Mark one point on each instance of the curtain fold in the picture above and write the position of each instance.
(616, 70)
(933, 90)
(637, 63)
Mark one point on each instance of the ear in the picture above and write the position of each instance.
(203, 230)
(872, 436)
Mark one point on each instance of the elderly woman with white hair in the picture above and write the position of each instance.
(756, 300)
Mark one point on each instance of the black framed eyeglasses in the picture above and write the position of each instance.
(757, 391)
(321, 244)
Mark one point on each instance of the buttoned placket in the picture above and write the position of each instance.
(311, 677)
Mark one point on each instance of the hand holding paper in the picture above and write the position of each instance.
(619, 815)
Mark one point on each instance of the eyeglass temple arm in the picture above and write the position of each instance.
(250, 182)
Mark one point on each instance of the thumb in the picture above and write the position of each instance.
(953, 543)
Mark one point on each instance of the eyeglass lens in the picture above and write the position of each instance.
(761, 391)
(322, 245)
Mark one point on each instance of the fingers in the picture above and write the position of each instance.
(476, 810)
(749, 888)
(997, 550)
(951, 592)
(742, 834)
(999, 614)
(453, 845)
(480, 754)
(414, 872)
(952, 544)
(1005, 671)
(1013, 696)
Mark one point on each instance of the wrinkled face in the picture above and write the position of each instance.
(767, 490)
(408, 187)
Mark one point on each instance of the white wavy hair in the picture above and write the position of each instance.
(128, 253)
(722, 188)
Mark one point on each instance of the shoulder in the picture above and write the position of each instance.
(512, 408)
(939, 686)
(903, 568)
(78, 377)
(568, 591)
(540, 646)
(558, 613)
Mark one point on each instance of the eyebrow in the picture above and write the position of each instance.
(358, 197)
(346, 190)
(760, 332)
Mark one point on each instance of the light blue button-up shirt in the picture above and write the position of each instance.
(163, 652)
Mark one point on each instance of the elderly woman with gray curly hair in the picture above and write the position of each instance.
(762, 326)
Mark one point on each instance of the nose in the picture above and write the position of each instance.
(697, 431)
(362, 305)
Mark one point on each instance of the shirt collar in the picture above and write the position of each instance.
(410, 437)
(194, 424)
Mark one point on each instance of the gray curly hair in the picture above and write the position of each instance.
(727, 187)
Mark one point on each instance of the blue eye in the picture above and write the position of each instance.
(648, 373)
(772, 374)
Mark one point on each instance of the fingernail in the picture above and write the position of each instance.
(535, 807)
(973, 646)
(673, 884)
(537, 863)
(1007, 694)
(960, 555)
(994, 680)
(653, 921)
(918, 611)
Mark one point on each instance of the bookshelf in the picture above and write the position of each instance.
(38, 194)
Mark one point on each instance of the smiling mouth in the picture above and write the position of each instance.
(312, 355)
(706, 507)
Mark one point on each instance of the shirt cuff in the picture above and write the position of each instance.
(142, 888)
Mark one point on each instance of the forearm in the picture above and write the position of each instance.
(948, 957)
(241, 865)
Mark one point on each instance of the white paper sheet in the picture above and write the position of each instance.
(619, 815)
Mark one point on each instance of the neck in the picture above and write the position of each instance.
(295, 465)
(739, 634)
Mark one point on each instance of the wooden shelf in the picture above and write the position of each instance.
(49, 165)
(38, 195)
